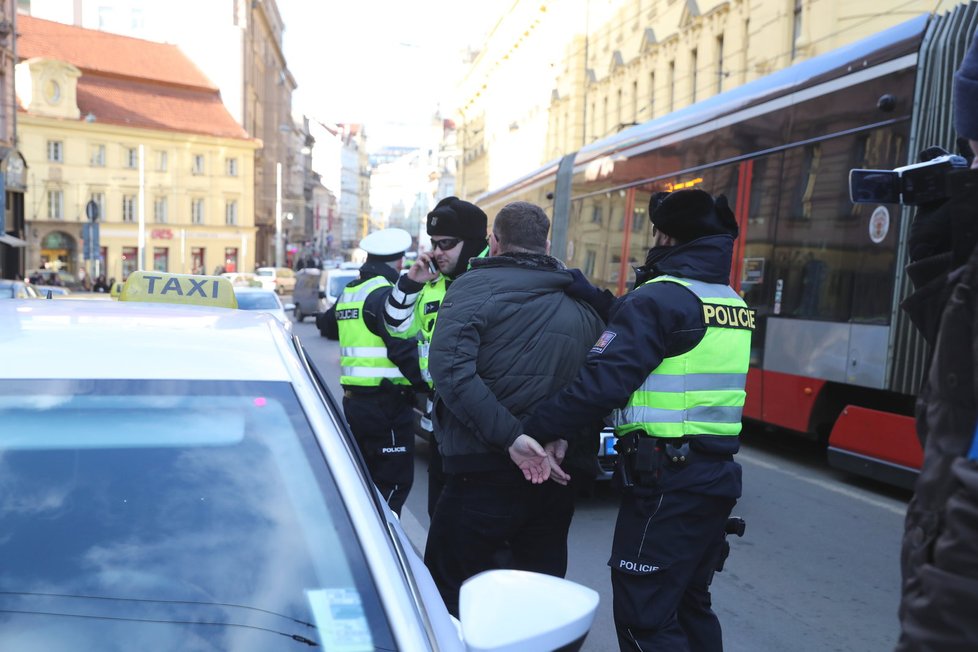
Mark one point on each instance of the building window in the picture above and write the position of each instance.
(635, 102)
(198, 164)
(231, 165)
(56, 205)
(197, 211)
(596, 216)
(589, 259)
(131, 158)
(98, 156)
(796, 29)
(129, 261)
(129, 208)
(231, 212)
(161, 259)
(230, 259)
(672, 86)
(162, 162)
(99, 199)
(652, 95)
(56, 152)
(720, 72)
(693, 63)
(198, 263)
(159, 210)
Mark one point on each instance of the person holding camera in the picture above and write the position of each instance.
(939, 559)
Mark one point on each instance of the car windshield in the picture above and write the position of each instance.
(257, 301)
(176, 514)
(338, 282)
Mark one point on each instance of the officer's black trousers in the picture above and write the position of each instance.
(383, 425)
(480, 514)
(666, 547)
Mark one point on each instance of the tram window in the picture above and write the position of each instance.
(826, 262)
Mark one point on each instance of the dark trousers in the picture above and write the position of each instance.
(436, 476)
(665, 551)
(383, 425)
(480, 514)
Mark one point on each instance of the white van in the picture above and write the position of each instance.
(317, 290)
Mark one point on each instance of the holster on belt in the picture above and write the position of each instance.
(640, 459)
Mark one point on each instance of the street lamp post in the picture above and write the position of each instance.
(279, 245)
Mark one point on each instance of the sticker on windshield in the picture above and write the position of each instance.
(340, 619)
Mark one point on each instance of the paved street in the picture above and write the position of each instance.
(817, 569)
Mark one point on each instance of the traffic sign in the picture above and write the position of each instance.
(91, 210)
(90, 240)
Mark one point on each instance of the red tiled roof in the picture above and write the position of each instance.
(150, 106)
(102, 52)
(129, 81)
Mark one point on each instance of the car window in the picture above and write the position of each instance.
(338, 282)
(265, 272)
(257, 301)
(7, 292)
(180, 514)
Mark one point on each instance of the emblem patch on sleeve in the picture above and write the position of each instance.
(603, 341)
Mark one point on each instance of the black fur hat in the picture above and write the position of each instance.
(458, 219)
(690, 214)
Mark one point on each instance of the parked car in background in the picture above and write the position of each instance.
(55, 291)
(283, 278)
(245, 279)
(262, 300)
(317, 290)
(55, 277)
(16, 290)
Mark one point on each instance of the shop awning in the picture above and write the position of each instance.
(8, 239)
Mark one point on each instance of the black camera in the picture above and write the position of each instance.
(910, 185)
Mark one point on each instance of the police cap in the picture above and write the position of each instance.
(386, 245)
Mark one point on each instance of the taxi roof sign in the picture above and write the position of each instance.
(183, 289)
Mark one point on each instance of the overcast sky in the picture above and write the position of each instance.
(384, 63)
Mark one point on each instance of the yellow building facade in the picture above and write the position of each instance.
(168, 198)
(556, 75)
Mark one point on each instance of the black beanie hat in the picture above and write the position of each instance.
(690, 214)
(456, 218)
(966, 93)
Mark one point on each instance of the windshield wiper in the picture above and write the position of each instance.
(197, 602)
(295, 637)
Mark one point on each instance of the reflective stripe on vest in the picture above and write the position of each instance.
(363, 356)
(700, 392)
(426, 311)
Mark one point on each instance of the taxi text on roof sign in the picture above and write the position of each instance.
(184, 289)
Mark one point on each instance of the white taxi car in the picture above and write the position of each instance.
(176, 476)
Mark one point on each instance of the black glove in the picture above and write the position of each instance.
(580, 288)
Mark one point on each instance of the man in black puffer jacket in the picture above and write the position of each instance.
(508, 337)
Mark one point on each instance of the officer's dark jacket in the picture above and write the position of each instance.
(939, 559)
(403, 353)
(652, 322)
(508, 337)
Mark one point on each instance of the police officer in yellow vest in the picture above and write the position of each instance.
(671, 367)
(458, 231)
(379, 373)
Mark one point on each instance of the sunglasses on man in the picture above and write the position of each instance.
(445, 244)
